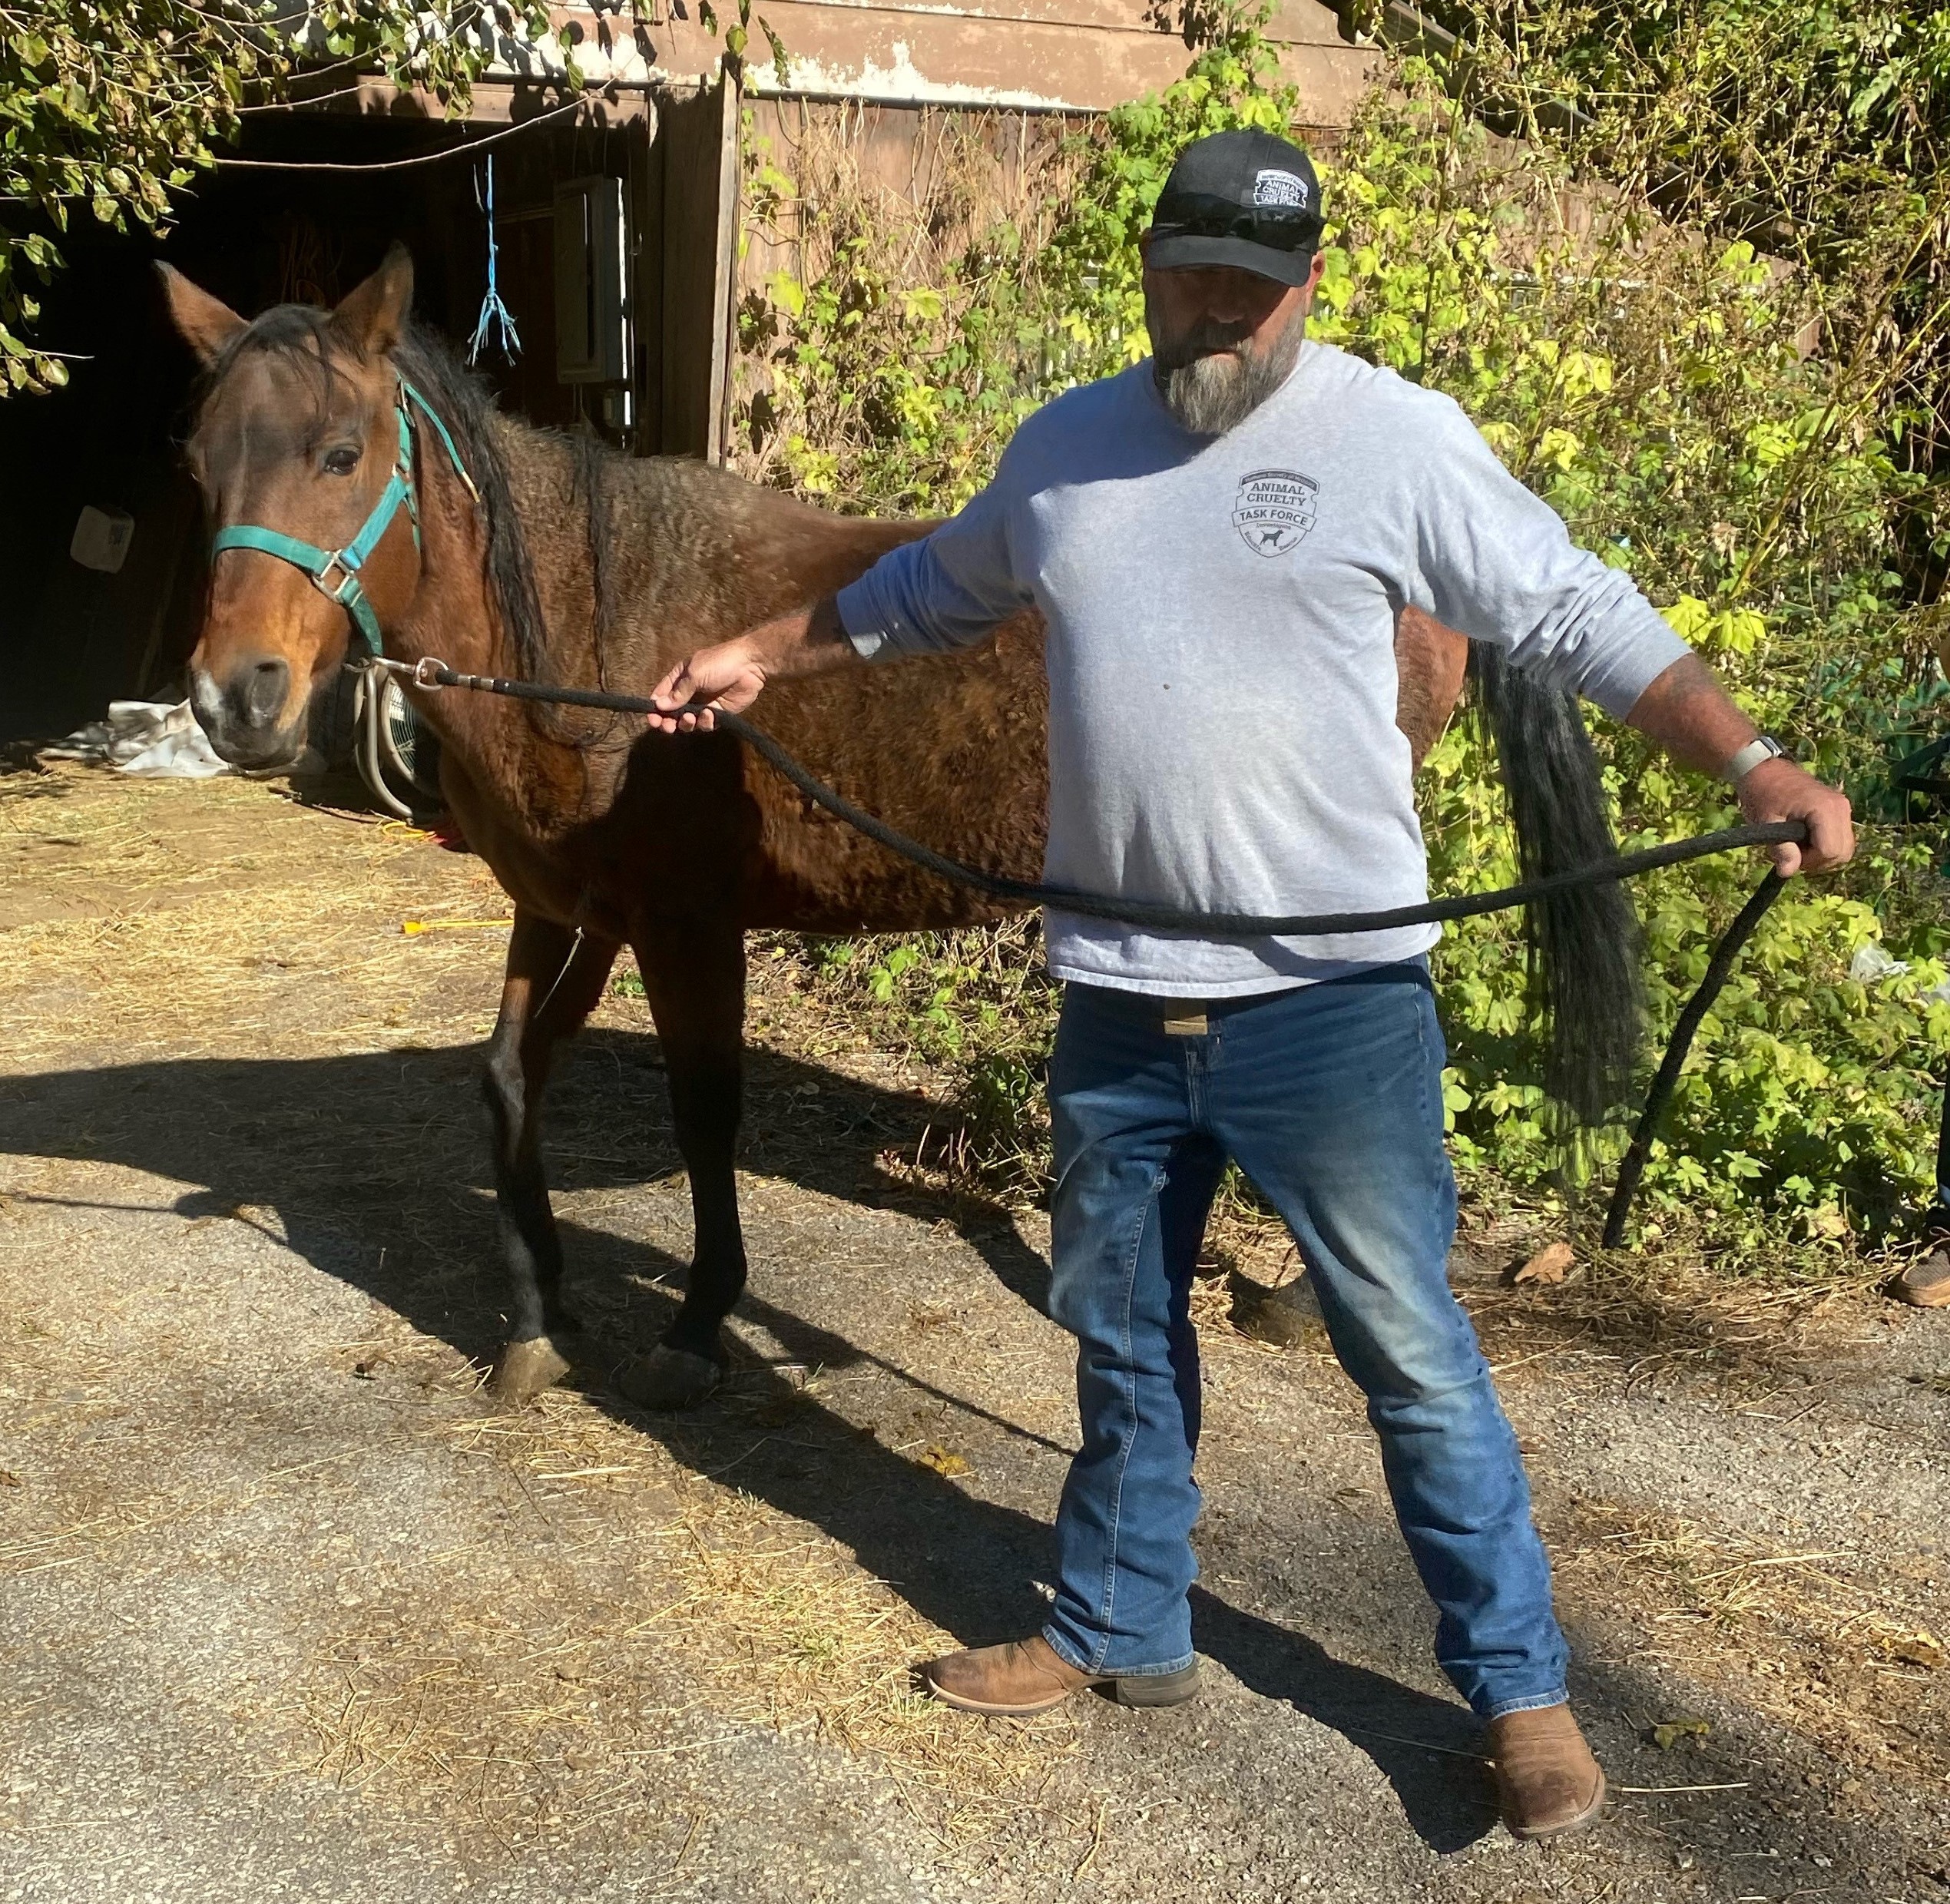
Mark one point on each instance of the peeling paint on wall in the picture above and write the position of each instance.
(1076, 55)
(901, 81)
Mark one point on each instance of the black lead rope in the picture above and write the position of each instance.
(1026, 892)
(1719, 969)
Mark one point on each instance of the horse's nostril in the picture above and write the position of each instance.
(264, 688)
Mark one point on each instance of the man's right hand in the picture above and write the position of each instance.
(726, 678)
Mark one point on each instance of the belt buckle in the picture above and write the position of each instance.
(1184, 1018)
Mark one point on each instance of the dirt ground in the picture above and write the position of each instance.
(289, 1611)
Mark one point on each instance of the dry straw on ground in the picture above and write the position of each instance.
(1838, 1655)
(713, 1609)
(135, 911)
(147, 921)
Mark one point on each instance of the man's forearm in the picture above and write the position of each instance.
(728, 676)
(1692, 716)
(804, 641)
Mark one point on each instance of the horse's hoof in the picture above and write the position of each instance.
(668, 1379)
(523, 1369)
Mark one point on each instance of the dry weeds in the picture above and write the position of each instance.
(1853, 1663)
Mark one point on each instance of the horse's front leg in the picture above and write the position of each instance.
(694, 978)
(554, 979)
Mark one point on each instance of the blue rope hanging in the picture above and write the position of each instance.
(493, 311)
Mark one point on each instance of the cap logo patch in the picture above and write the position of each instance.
(1274, 510)
(1277, 187)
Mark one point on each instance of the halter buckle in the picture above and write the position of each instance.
(341, 592)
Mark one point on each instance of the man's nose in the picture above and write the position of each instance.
(1222, 298)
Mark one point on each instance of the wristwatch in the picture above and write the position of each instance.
(1765, 748)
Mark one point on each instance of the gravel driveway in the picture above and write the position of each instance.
(288, 1610)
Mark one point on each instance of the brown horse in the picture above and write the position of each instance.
(576, 567)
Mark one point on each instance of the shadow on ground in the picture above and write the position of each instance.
(376, 1174)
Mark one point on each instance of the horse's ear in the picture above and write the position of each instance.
(207, 323)
(372, 317)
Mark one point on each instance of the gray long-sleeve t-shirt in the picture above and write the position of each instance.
(1221, 624)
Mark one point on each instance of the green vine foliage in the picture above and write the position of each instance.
(107, 107)
(1819, 133)
(1658, 392)
(1674, 395)
(888, 360)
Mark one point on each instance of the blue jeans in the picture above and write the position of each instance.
(1329, 1097)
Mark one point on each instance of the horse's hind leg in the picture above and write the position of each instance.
(694, 978)
(1430, 662)
(554, 979)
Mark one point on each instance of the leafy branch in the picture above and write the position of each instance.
(110, 106)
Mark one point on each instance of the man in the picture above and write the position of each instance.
(1218, 541)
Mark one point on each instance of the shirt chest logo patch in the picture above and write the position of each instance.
(1274, 510)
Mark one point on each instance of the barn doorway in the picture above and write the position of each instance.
(615, 226)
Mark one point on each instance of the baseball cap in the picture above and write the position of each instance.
(1250, 199)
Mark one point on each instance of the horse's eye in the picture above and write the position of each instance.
(341, 462)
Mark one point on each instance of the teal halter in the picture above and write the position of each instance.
(318, 563)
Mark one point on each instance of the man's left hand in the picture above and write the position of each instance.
(1779, 789)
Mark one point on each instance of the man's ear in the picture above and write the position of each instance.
(372, 317)
(206, 324)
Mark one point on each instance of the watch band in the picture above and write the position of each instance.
(1766, 747)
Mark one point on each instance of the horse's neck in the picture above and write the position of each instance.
(452, 617)
(455, 617)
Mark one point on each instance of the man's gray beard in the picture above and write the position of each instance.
(1216, 392)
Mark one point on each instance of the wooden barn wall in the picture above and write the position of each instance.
(1046, 54)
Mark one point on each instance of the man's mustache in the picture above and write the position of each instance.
(1206, 339)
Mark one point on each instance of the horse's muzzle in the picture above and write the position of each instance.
(244, 714)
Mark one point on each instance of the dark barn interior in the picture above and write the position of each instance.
(617, 218)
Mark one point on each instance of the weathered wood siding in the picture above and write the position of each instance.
(1043, 55)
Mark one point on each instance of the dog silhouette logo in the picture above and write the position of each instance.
(1274, 510)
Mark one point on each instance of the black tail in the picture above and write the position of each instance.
(1584, 964)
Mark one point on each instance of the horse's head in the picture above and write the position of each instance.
(297, 434)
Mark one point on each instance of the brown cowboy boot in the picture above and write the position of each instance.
(1027, 1676)
(1545, 1774)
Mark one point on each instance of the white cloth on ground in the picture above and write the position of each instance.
(146, 737)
